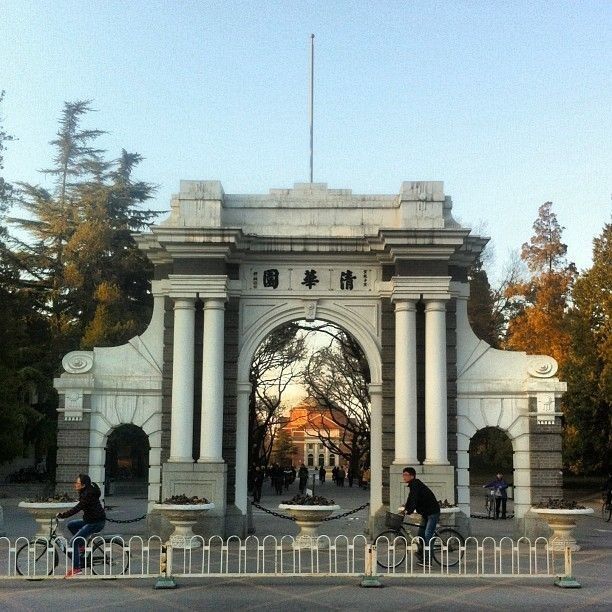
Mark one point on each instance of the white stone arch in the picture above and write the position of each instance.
(277, 313)
(361, 321)
(112, 412)
(507, 414)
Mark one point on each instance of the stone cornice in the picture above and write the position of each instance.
(196, 285)
(420, 288)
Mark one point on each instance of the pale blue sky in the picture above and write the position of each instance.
(508, 103)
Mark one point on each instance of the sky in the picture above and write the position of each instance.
(508, 103)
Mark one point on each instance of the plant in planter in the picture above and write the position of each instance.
(183, 513)
(560, 516)
(43, 509)
(309, 511)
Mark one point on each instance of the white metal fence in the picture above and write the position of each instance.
(136, 557)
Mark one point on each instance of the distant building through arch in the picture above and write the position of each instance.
(306, 426)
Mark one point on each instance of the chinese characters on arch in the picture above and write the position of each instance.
(311, 279)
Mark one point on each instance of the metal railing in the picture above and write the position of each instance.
(137, 557)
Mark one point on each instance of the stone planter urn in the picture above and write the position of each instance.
(308, 519)
(43, 512)
(183, 517)
(562, 522)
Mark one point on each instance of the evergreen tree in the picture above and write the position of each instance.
(484, 314)
(78, 273)
(21, 380)
(83, 265)
(537, 326)
(588, 368)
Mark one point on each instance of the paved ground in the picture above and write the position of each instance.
(592, 567)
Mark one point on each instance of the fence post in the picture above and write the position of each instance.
(567, 581)
(165, 580)
(370, 579)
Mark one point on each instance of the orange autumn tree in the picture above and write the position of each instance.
(540, 303)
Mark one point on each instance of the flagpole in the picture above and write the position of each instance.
(311, 99)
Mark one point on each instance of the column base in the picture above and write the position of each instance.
(439, 478)
(207, 480)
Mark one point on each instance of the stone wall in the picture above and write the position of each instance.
(545, 455)
(72, 447)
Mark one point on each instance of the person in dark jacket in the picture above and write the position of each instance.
(303, 476)
(422, 500)
(93, 520)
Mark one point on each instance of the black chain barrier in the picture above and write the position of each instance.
(292, 518)
(134, 520)
(276, 514)
(338, 516)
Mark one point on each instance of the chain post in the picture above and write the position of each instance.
(567, 581)
(370, 579)
(165, 581)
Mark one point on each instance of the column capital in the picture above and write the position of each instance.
(435, 305)
(402, 304)
(184, 303)
(213, 303)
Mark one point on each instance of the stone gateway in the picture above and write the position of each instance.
(389, 269)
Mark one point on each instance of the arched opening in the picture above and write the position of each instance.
(127, 460)
(490, 454)
(310, 407)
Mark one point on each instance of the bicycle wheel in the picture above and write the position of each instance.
(446, 549)
(36, 558)
(109, 559)
(489, 506)
(391, 548)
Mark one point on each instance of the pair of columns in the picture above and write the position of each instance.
(406, 383)
(211, 430)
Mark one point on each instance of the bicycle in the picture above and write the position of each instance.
(490, 503)
(40, 557)
(606, 508)
(447, 545)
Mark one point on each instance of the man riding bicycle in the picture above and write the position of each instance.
(422, 500)
(93, 521)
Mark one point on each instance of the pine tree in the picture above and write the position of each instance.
(83, 265)
(52, 222)
(537, 326)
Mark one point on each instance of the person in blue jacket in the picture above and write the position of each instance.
(499, 485)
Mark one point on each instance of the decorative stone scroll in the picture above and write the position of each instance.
(542, 367)
(78, 362)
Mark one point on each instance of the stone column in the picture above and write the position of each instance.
(405, 383)
(181, 432)
(211, 433)
(376, 464)
(435, 383)
(242, 446)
